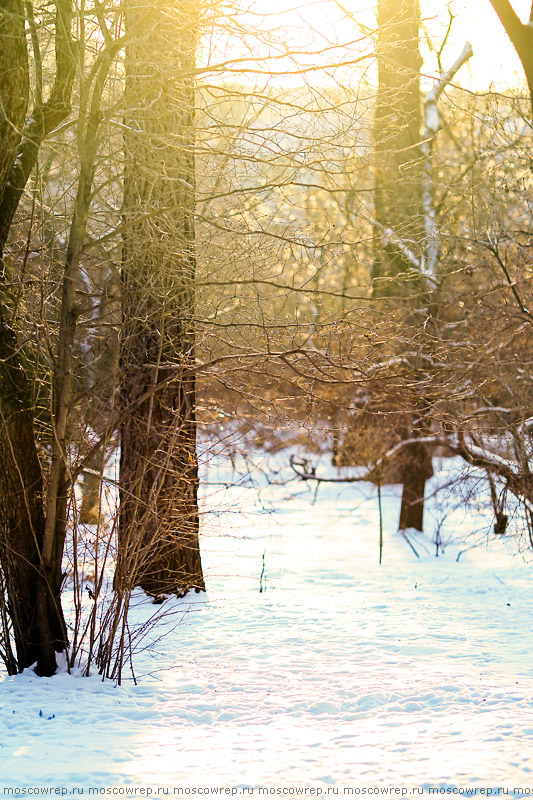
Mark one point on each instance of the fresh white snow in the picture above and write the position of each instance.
(343, 673)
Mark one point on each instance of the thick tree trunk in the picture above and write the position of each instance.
(398, 199)
(416, 469)
(398, 157)
(33, 595)
(158, 533)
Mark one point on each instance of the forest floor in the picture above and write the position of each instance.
(413, 674)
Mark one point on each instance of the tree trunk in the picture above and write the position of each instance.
(398, 199)
(398, 157)
(91, 489)
(14, 82)
(33, 596)
(416, 469)
(520, 35)
(33, 589)
(159, 521)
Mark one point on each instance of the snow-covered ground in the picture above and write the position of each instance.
(341, 674)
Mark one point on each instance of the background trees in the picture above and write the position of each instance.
(287, 245)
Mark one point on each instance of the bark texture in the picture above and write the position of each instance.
(398, 202)
(32, 587)
(416, 468)
(158, 531)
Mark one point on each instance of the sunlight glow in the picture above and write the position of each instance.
(320, 26)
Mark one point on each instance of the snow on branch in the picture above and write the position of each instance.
(481, 457)
(490, 410)
(432, 125)
(427, 264)
(391, 239)
(432, 118)
(517, 476)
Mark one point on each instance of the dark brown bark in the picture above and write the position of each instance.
(33, 596)
(158, 536)
(32, 587)
(59, 482)
(416, 469)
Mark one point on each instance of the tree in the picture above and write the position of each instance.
(398, 208)
(30, 563)
(495, 434)
(158, 537)
(39, 481)
(396, 134)
(520, 34)
(407, 262)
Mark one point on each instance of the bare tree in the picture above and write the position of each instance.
(396, 133)
(31, 576)
(520, 34)
(159, 519)
(399, 212)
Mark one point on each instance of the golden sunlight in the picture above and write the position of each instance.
(319, 25)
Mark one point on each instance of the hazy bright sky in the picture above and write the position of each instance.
(494, 63)
(495, 60)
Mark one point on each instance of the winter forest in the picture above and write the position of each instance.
(266, 397)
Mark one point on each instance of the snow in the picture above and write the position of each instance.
(342, 673)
